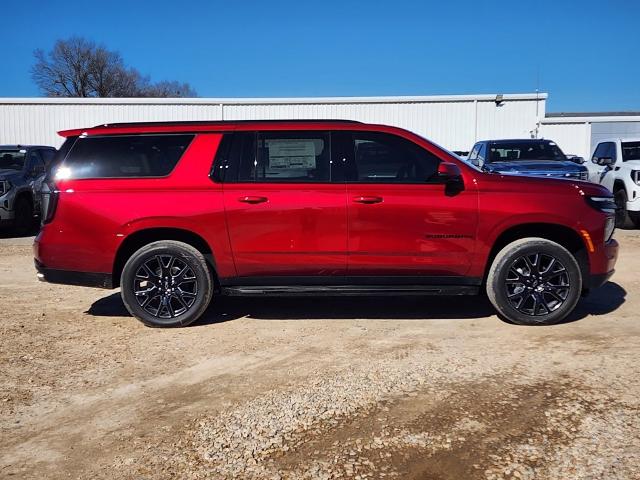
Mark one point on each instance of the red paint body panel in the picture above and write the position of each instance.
(311, 229)
(413, 230)
(300, 229)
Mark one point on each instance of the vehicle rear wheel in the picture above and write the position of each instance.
(24, 216)
(622, 216)
(166, 284)
(534, 281)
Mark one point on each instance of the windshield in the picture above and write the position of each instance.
(12, 159)
(509, 152)
(630, 151)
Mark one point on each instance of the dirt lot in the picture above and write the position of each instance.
(316, 388)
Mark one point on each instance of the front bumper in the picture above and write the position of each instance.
(67, 277)
(610, 254)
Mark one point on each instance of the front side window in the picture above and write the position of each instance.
(386, 158)
(604, 150)
(630, 151)
(36, 164)
(125, 156)
(473, 156)
(287, 157)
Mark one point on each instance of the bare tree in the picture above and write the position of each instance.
(77, 67)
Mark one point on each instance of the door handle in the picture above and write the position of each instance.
(252, 200)
(368, 200)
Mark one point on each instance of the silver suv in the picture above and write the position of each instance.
(22, 171)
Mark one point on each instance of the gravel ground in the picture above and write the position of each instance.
(324, 388)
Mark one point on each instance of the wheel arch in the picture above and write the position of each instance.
(140, 238)
(561, 234)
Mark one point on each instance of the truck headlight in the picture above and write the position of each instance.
(635, 176)
(604, 204)
(584, 176)
(5, 186)
(609, 228)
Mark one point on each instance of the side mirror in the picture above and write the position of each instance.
(606, 161)
(577, 159)
(451, 175)
(449, 171)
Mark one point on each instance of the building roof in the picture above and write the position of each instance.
(272, 101)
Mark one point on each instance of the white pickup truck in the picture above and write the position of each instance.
(615, 164)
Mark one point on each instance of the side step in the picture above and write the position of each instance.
(351, 290)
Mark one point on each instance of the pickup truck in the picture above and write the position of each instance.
(531, 157)
(22, 170)
(615, 164)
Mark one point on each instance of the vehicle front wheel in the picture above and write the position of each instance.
(166, 284)
(534, 281)
(622, 216)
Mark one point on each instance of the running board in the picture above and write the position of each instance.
(351, 290)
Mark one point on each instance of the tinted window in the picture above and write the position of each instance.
(287, 157)
(36, 165)
(604, 150)
(514, 151)
(385, 158)
(125, 156)
(630, 151)
(12, 159)
(47, 156)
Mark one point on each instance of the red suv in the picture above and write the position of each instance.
(177, 213)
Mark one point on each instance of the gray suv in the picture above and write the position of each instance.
(22, 171)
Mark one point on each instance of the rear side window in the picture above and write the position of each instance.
(287, 157)
(126, 156)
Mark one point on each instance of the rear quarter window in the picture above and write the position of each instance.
(125, 156)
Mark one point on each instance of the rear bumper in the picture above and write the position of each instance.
(67, 277)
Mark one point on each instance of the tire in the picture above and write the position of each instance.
(147, 289)
(622, 215)
(23, 222)
(635, 218)
(526, 288)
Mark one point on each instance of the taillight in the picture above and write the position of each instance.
(49, 200)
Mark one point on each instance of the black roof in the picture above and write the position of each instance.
(519, 140)
(17, 147)
(205, 123)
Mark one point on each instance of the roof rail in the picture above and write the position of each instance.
(218, 122)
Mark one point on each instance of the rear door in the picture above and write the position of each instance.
(285, 216)
(402, 221)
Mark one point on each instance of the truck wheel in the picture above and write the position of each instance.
(534, 281)
(622, 216)
(635, 218)
(166, 284)
(23, 216)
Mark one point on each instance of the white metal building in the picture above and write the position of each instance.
(453, 121)
(579, 133)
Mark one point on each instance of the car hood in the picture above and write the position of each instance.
(534, 166)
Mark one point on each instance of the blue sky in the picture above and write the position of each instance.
(583, 53)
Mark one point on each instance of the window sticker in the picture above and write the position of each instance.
(288, 153)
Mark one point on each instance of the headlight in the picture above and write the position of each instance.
(604, 204)
(609, 228)
(584, 176)
(635, 176)
(5, 186)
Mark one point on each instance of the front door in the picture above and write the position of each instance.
(402, 220)
(599, 173)
(285, 217)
